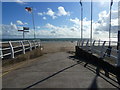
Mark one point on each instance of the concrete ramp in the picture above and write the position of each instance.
(56, 70)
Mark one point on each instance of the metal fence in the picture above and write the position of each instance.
(10, 49)
(102, 49)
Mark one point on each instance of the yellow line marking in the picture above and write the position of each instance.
(15, 67)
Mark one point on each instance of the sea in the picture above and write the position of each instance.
(44, 39)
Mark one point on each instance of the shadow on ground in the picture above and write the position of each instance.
(78, 61)
(38, 82)
(92, 67)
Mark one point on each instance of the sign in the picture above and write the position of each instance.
(20, 30)
(25, 28)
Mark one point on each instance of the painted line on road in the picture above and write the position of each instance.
(15, 67)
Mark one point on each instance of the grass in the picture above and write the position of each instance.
(23, 57)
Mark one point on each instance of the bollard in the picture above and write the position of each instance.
(118, 59)
(23, 47)
(30, 45)
(11, 50)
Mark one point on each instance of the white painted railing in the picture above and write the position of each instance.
(102, 49)
(11, 48)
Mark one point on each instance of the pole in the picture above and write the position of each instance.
(81, 22)
(23, 35)
(110, 27)
(33, 23)
(91, 26)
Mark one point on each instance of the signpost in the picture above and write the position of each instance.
(25, 29)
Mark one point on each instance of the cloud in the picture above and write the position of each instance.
(38, 27)
(44, 18)
(40, 14)
(13, 26)
(62, 12)
(51, 13)
(26, 23)
(10, 31)
(21, 23)
(75, 21)
(20, 2)
(100, 28)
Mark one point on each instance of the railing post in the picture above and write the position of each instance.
(30, 45)
(82, 43)
(1, 53)
(39, 43)
(11, 50)
(77, 43)
(102, 50)
(99, 42)
(118, 59)
(92, 48)
(34, 44)
(23, 47)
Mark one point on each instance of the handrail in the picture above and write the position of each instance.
(10, 48)
(101, 48)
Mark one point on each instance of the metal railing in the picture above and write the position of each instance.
(102, 49)
(9, 49)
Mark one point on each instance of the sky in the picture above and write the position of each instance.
(58, 19)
